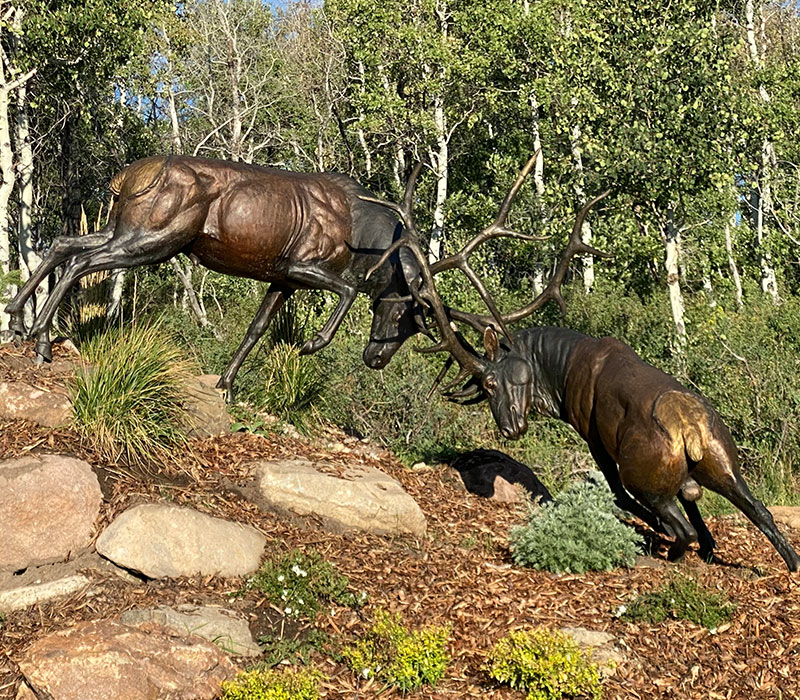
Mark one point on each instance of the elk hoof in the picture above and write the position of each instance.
(44, 352)
(313, 344)
(227, 388)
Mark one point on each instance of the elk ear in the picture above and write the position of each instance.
(491, 344)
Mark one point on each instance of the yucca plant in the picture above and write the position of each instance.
(128, 398)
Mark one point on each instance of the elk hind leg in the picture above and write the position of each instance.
(704, 537)
(273, 300)
(685, 534)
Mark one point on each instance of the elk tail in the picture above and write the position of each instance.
(687, 421)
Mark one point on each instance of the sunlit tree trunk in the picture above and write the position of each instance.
(672, 241)
(737, 281)
(580, 192)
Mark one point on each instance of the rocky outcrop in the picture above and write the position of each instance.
(109, 660)
(159, 540)
(223, 627)
(27, 402)
(205, 404)
(363, 498)
(48, 507)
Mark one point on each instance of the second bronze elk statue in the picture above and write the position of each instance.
(653, 439)
(294, 230)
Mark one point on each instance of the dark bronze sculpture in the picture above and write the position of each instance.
(653, 439)
(296, 231)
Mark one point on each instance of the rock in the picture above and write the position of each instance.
(363, 499)
(48, 506)
(163, 540)
(602, 646)
(205, 404)
(106, 660)
(223, 627)
(788, 515)
(25, 596)
(25, 401)
(491, 474)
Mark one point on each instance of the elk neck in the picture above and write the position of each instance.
(548, 349)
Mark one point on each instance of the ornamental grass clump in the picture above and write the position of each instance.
(546, 664)
(273, 685)
(128, 399)
(397, 656)
(577, 532)
(681, 598)
(301, 583)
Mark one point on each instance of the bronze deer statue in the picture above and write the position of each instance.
(653, 439)
(293, 230)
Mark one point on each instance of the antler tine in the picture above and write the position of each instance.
(552, 291)
(406, 213)
(448, 363)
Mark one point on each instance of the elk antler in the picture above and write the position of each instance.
(552, 291)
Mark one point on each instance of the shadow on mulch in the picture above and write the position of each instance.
(479, 469)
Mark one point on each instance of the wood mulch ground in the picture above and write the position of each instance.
(460, 575)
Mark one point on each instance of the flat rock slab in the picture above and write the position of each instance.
(25, 596)
(27, 402)
(363, 498)
(788, 515)
(48, 507)
(224, 628)
(602, 646)
(106, 660)
(160, 540)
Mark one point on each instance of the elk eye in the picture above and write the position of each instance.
(489, 384)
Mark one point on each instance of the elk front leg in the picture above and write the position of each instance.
(312, 276)
(61, 250)
(273, 300)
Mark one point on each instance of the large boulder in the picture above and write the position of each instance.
(27, 402)
(362, 498)
(163, 540)
(107, 660)
(225, 628)
(48, 507)
(205, 404)
(788, 515)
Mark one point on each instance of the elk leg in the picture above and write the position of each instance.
(314, 277)
(622, 498)
(704, 537)
(62, 248)
(739, 494)
(273, 300)
(685, 534)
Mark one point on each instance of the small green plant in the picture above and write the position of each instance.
(300, 583)
(273, 685)
(579, 531)
(293, 384)
(298, 649)
(681, 598)
(545, 664)
(399, 657)
(128, 401)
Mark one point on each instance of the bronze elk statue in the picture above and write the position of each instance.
(653, 439)
(293, 230)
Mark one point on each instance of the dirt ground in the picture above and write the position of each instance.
(460, 574)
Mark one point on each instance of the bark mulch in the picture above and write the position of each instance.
(460, 575)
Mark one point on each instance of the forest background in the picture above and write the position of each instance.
(688, 110)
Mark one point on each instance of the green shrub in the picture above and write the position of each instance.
(399, 657)
(681, 598)
(547, 665)
(300, 583)
(579, 531)
(129, 399)
(273, 685)
(292, 384)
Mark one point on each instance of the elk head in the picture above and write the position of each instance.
(503, 375)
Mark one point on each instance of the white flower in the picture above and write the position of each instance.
(620, 611)
(299, 601)
(365, 672)
(281, 577)
(298, 571)
(287, 610)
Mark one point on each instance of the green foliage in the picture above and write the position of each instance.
(297, 649)
(399, 657)
(273, 685)
(293, 384)
(577, 532)
(301, 583)
(128, 398)
(6, 280)
(545, 664)
(681, 598)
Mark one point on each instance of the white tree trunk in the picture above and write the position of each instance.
(762, 195)
(672, 239)
(440, 161)
(737, 281)
(29, 258)
(580, 191)
(6, 187)
(185, 276)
